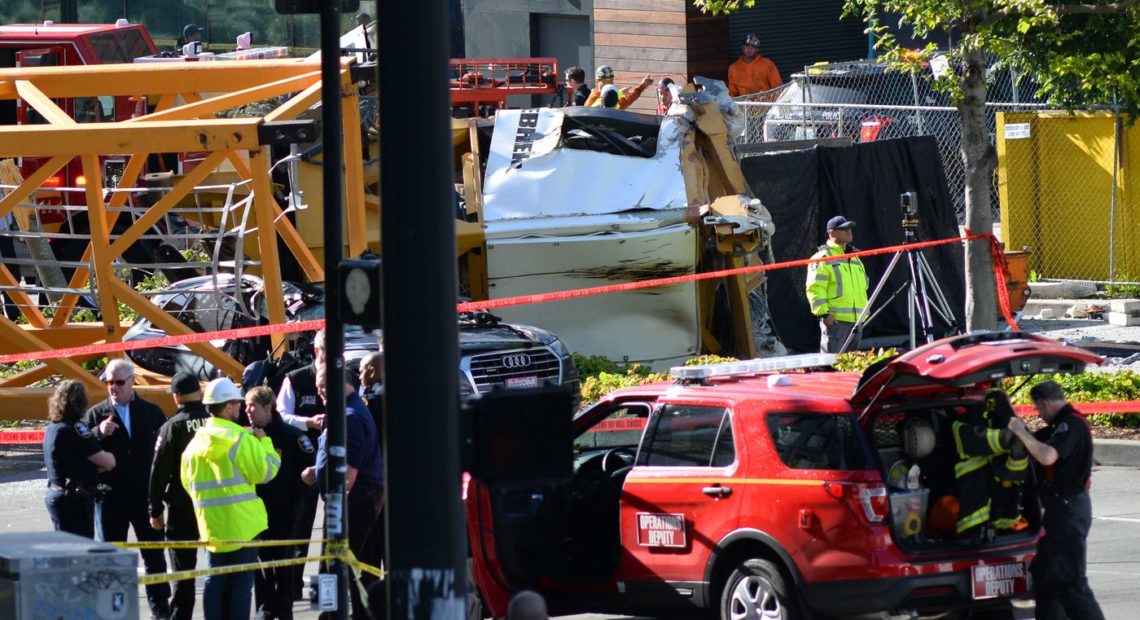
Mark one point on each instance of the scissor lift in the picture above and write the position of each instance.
(485, 83)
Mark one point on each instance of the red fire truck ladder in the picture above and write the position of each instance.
(487, 82)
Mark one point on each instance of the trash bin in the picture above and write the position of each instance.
(52, 575)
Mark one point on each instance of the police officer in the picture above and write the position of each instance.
(74, 459)
(364, 479)
(127, 426)
(836, 290)
(301, 407)
(372, 387)
(1063, 451)
(166, 486)
(273, 587)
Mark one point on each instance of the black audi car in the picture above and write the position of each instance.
(493, 354)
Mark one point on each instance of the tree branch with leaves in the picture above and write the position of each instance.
(1079, 54)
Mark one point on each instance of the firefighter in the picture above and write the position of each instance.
(1063, 451)
(220, 468)
(273, 587)
(166, 486)
(605, 76)
(73, 459)
(837, 290)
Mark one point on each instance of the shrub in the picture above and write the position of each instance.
(1123, 385)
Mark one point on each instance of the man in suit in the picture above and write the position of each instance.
(127, 427)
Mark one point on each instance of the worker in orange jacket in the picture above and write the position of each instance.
(605, 75)
(752, 73)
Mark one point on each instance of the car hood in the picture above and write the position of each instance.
(501, 336)
(949, 366)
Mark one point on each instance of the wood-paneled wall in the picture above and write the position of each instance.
(659, 38)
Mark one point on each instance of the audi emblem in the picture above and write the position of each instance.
(516, 360)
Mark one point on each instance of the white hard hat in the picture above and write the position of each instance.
(221, 391)
(918, 438)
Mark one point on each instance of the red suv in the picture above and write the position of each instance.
(758, 491)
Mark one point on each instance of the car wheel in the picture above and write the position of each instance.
(756, 589)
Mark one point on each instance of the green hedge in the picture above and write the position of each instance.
(600, 376)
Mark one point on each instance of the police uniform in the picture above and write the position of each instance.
(166, 488)
(71, 477)
(306, 404)
(273, 587)
(1059, 567)
(125, 505)
(366, 498)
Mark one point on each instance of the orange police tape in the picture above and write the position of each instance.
(334, 550)
(472, 306)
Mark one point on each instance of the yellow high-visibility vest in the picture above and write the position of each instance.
(838, 288)
(220, 468)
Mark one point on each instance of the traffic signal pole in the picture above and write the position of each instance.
(336, 493)
(426, 545)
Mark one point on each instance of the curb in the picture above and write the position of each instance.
(1116, 452)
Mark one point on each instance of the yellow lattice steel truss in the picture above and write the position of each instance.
(185, 98)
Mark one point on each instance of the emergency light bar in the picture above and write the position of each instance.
(751, 367)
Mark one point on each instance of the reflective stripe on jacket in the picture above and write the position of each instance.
(838, 288)
(220, 469)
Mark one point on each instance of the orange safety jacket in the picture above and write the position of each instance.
(752, 77)
(626, 97)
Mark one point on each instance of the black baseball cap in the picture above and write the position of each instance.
(839, 222)
(184, 383)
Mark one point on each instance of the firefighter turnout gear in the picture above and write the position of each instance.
(992, 465)
(220, 470)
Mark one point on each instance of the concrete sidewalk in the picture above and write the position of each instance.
(1119, 452)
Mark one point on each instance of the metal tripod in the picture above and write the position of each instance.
(924, 296)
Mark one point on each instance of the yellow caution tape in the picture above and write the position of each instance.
(337, 550)
(194, 544)
(183, 575)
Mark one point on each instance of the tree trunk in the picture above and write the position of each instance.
(980, 158)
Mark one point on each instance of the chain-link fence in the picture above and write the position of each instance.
(1054, 190)
(1066, 195)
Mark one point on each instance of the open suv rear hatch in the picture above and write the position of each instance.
(960, 494)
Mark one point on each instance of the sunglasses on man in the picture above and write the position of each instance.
(118, 382)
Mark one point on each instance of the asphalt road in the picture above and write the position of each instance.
(1114, 543)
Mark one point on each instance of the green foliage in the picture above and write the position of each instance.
(858, 361)
(596, 364)
(1129, 290)
(597, 386)
(722, 7)
(1123, 385)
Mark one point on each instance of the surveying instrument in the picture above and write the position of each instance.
(925, 299)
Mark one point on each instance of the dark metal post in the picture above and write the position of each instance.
(69, 11)
(426, 544)
(336, 495)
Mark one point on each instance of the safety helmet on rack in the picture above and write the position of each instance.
(604, 72)
(918, 438)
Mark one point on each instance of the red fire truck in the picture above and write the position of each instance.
(49, 44)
